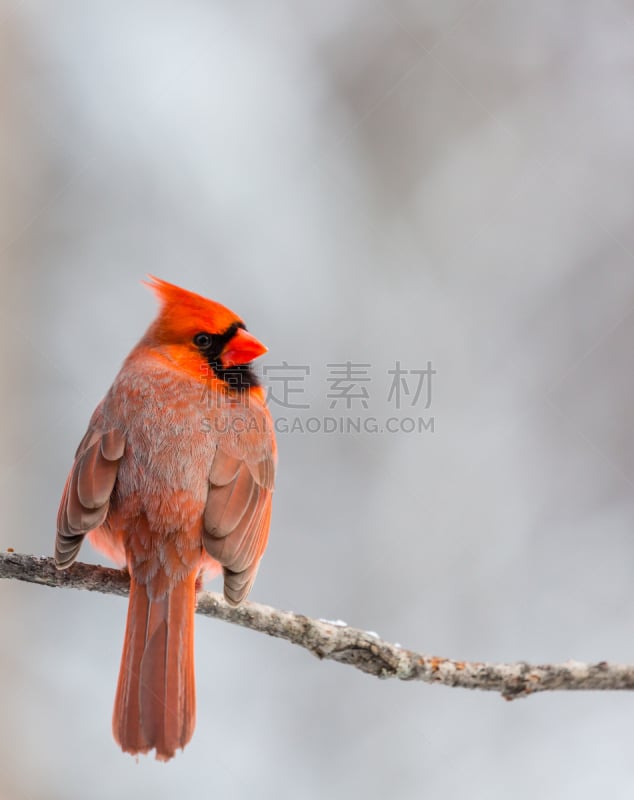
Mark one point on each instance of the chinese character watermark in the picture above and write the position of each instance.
(348, 383)
(286, 374)
(402, 386)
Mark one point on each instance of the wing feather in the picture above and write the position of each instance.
(95, 477)
(237, 517)
(238, 582)
(86, 497)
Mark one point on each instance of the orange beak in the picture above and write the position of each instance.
(241, 349)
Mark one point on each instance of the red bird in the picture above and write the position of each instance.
(173, 478)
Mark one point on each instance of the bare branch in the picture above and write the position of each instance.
(338, 642)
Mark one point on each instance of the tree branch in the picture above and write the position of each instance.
(338, 642)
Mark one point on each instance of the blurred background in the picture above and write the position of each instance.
(411, 181)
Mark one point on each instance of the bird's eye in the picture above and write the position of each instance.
(202, 340)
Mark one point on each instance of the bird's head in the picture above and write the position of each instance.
(201, 336)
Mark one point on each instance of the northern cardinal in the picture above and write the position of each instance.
(173, 478)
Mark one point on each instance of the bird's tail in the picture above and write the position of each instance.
(155, 704)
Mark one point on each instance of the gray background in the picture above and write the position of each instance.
(444, 181)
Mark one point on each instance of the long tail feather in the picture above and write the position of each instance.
(155, 705)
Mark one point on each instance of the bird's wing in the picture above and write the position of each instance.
(86, 498)
(237, 516)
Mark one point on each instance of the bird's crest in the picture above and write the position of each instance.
(180, 308)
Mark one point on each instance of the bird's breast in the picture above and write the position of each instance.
(174, 425)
